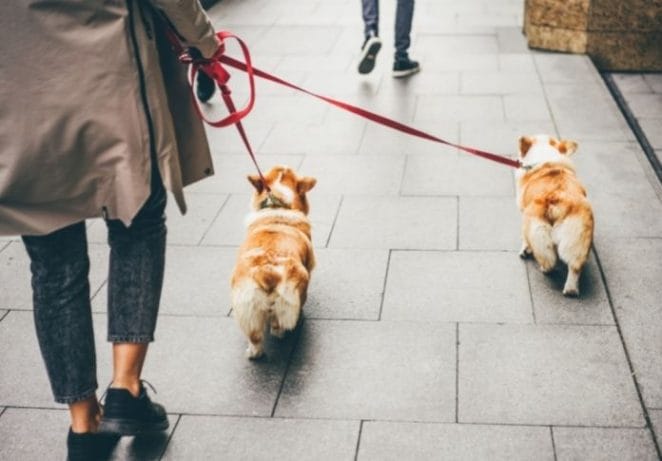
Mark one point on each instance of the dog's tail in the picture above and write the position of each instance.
(267, 277)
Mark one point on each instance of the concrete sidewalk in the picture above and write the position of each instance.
(425, 336)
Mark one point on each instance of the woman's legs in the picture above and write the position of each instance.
(63, 320)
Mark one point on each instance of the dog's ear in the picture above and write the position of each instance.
(525, 144)
(305, 184)
(567, 147)
(256, 181)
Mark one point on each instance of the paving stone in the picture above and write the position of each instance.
(459, 108)
(653, 131)
(196, 282)
(575, 443)
(298, 107)
(445, 45)
(631, 83)
(656, 420)
(379, 140)
(364, 370)
(550, 306)
(232, 170)
(336, 138)
(347, 284)
(398, 222)
(624, 202)
(511, 39)
(341, 84)
(500, 83)
(633, 272)
(545, 374)
(457, 287)
(398, 107)
(645, 105)
(517, 62)
(655, 81)
(199, 367)
(564, 68)
(3, 313)
(223, 141)
(489, 223)
(356, 174)
(18, 427)
(453, 173)
(296, 40)
(327, 63)
(229, 229)
(441, 62)
(396, 441)
(15, 273)
(200, 437)
(526, 107)
(424, 83)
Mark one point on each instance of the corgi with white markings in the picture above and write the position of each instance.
(270, 279)
(557, 218)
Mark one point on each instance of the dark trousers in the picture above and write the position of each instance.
(61, 293)
(404, 14)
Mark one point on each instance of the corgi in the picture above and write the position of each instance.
(270, 279)
(557, 218)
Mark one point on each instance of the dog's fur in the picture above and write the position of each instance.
(270, 279)
(557, 219)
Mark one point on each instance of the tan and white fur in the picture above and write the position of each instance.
(270, 279)
(557, 218)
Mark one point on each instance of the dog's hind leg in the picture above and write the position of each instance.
(249, 309)
(538, 234)
(286, 311)
(573, 239)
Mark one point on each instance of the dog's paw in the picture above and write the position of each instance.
(571, 290)
(525, 252)
(254, 353)
(277, 332)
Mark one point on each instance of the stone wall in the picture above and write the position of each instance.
(617, 34)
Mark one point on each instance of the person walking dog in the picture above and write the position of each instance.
(403, 66)
(96, 120)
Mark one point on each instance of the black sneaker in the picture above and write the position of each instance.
(404, 67)
(125, 414)
(205, 88)
(90, 446)
(369, 51)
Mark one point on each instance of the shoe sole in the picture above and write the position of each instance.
(131, 427)
(369, 55)
(405, 73)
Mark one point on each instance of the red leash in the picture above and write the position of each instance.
(214, 70)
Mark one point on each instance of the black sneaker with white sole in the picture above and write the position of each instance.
(405, 67)
(369, 51)
(90, 446)
(125, 414)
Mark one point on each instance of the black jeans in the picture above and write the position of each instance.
(61, 293)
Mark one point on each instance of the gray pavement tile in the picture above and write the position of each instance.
(501, 137)
(457, 287)
(341, 84)
(526, 107)
(565, 68)
(655, 81)
(382, 141)
(434, 61)
(624, 202)
(631, 83)
(356, 174)
(574, 443)
(501, 83)
(459, 108)
(396, 222)
(31, 434)
(210, 438)
(288, 40)
(394, 106)
(574, 107)
(512, 39)
(229, 229)
(448, 173)
(3, 313)
(653, 130)
(550, 306)
(364, 370)
(445, 45)
(335, 138)
(398, 441)
(15, 273)
(545, 374)
(424, 83)
(196, 282)
(232, 170)
(645, 105)
(517, 62)
(489, 223)
(656, 420)
(226, 140)
(633, 271)
(347, 284)
(298, 108)
(199, 367)
(492, 21)
(326, 63)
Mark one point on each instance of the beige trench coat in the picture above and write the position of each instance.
(87, 87)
